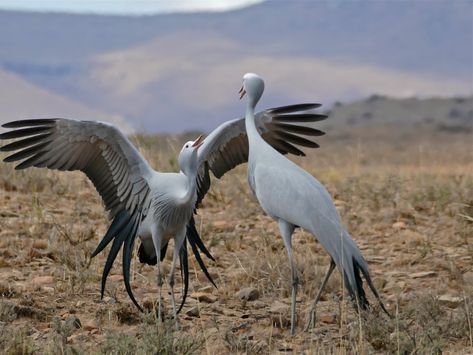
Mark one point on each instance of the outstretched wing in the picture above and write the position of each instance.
(107, 157)
(285, 128)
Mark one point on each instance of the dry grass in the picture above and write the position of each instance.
(407, 199)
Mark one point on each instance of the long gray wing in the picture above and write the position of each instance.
(285, 128)
(106, 156)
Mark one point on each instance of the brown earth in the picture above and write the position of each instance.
(407, 200)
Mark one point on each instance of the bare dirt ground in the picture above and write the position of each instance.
(406, 198)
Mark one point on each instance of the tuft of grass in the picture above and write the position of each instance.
(154, 337)
(422, 326)
(16, 341)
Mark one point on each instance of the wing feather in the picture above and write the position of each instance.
(106, 156)
(282, 127)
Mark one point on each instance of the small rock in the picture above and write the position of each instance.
(399, 225)
(8, 214)
(328, 318)
(47, 289)
(258, 305)
(450, 301)
(468, 278)
(423, 274)
(203, 278)
(116, 277)
(42, 280)
(40, 244)
(280, 314)
(376, 259)
(220, 225)
(73, 338)
(379, 283)
(193, 312)
(207, 288)
(248, 294)
(80, 303)
(209, 332)
(230, 313)
(72, 322)
(204, 297)
(401, 285)
(217, 309)
(89, 325)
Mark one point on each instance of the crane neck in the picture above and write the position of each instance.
(191, 178)
(250, 124)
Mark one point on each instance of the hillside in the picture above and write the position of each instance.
(448, 114)
(20, 99)
(177, 72)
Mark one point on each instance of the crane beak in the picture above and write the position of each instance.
(198, 142)
(242, 92)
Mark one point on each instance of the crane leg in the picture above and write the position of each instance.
(157, 238)
(311, 320)
(286, 231)
(178, 241)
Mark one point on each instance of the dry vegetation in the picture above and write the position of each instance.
(407, 199)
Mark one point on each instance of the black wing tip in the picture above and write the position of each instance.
(29, 122)
(298, 129)
(20, 166)
(295, 108)
(299, 117)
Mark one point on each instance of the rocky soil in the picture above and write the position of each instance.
(407, 203)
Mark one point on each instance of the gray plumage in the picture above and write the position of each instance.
(142, 202)
(294, 198)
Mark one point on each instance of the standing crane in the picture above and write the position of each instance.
(294, 198)
(142, 202)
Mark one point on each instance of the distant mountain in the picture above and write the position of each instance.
(447, 114)
(20, 99)
(179, 72)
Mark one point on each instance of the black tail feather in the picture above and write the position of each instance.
(119, 221)
(196, 242)
(373, 290)
(358, 296)
(116, 246)
(123, 232)
(183, 258)
(127, 250)
(194, 238)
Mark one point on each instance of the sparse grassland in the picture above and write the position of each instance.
(406, 198)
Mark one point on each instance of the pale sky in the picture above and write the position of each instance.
(124, 7)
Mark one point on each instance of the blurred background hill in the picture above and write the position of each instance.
(181, 71)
